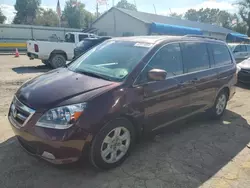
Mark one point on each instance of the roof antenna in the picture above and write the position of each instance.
(154, 8)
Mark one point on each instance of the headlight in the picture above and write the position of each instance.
(61, 117)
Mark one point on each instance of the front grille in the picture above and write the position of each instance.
(20, 112)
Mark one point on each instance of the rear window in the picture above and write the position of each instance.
(82, 36)
(248, 48)
(69, 37)
(221, 54)
(195, 56)
(240, 48)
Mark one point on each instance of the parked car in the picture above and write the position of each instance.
(54, 53)
(107, 98)
(86, 44)
(244, 71)
(240, 51)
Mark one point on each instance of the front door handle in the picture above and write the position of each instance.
(187, 83)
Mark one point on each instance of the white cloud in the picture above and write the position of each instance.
(223, 5)
(9, 12)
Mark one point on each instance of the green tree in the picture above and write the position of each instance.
(192, 15)
(244, 11)
(46, 18)
(240, 27)
(75, 15)
(26, 11)
(175, 15)
(211, 16)
(2, 17)
(126, 5)
(203, 15)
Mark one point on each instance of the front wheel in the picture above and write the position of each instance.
(112, 144)
(220, 105)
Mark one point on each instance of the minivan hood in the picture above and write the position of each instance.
(56, 86)
(245, 64)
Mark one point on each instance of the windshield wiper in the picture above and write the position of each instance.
(92, 74)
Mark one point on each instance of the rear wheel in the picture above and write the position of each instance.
(220, 105)
(57, 60)
(112, 144)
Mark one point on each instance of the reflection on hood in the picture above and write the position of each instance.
(245, 64)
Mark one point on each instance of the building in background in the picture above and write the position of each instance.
(122, 22)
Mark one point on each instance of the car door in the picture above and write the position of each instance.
(197, 66)
(222, 64)
(167, 100)
(240, 52)
(248, 51)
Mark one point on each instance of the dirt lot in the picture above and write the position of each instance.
(197, 153)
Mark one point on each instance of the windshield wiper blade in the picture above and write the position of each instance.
(92, 74)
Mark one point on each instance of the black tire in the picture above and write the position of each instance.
(57, 60)
(97, 144)
(47, 63)
(214, 112)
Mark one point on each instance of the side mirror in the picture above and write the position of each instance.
(157, 75)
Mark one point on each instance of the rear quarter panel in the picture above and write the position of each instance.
(46, 48)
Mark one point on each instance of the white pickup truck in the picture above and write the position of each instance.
(56, 54)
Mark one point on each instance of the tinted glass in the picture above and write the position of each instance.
(221, 54)
(69, 37)
(168, 58)
(113, 60)
(81, 37)
(240, 48)
(195, 56)
(248, 48)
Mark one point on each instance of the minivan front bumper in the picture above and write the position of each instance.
(55, 146)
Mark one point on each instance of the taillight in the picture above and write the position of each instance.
(36, 48)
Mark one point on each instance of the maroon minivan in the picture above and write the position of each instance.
(102, 101)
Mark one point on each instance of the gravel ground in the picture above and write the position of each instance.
(194, 153)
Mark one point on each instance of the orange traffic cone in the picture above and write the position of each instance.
(16, 53)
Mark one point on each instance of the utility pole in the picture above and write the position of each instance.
(97, 9)
(154, 8)
(170, 11)
(113, 3)
(135, 3)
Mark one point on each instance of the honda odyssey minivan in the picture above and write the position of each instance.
(107, 98)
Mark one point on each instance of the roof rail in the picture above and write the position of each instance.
(202, 36)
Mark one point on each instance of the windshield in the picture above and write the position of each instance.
(112, 60)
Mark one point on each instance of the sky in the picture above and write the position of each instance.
(162, 7)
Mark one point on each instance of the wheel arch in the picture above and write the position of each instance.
(137, 126)
(61, 52)
(226, 89)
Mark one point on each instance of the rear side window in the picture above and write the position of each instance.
(195, 56)
(221, 54)
(240, 48)
(81, 37)
(248, 48)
